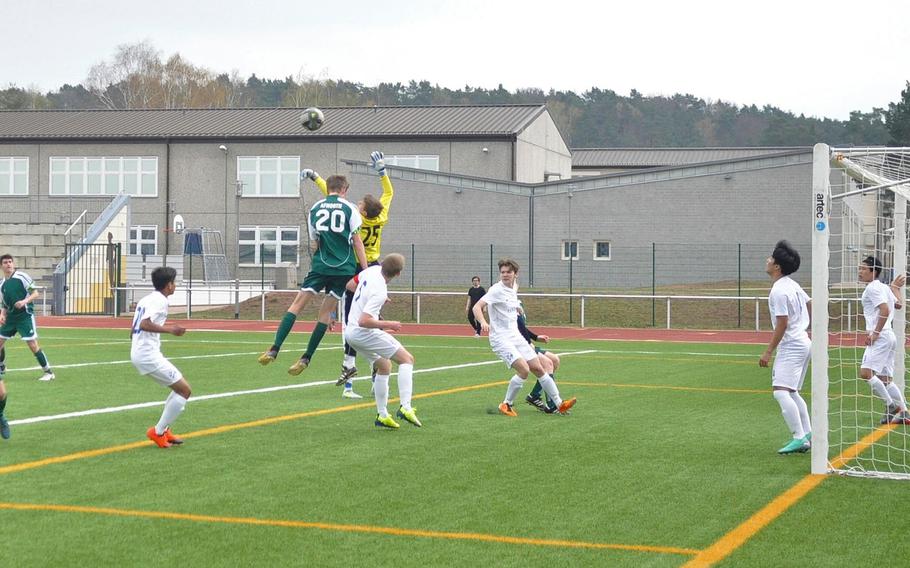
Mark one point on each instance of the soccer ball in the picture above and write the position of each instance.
(312, 118)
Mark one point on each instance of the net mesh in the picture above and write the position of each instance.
(868, 217)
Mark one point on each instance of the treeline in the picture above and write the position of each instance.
(137, 77)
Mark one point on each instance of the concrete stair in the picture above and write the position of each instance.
(37, 248)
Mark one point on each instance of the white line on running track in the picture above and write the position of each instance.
(112, 409)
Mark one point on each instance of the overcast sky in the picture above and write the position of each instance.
(819, 58)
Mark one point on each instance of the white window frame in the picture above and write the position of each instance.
(397, 159)
(609, 247)
(139, 240)
(254, 189)
(562, 250)
(278, 242)
(77, 168)
(11, 174)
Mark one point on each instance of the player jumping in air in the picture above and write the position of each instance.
(375, 213)
(334, 225)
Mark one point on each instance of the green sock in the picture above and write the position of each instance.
(42, 359)
(284, 329)
(535, 392)
(318, 333)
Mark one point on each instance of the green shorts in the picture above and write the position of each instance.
(23, 325)
(333, 284)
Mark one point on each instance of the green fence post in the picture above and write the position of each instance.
(739, 284)
(413, 281)
(653, 284)
(571, 263)
(491, 266)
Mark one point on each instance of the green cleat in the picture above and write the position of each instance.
(4, 427)
(795, 446)
(386, 422)
(409, 415)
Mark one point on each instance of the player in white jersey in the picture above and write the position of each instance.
(501, 300)
(148, 325)
(365, 333)
(790, 317)
(879, 302)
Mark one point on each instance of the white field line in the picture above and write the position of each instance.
(194, 399)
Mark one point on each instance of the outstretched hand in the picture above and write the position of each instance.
(378, 162)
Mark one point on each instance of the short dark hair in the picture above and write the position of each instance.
(336, 184)
(873, 263)
(372, 207)
(162, 276)
(475, 278)
(786, 257)
(6, 256)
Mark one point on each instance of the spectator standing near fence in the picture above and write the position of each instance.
(475, 293)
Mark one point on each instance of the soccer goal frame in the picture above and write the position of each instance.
(859, 208)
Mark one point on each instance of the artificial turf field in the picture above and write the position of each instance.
(670, 450)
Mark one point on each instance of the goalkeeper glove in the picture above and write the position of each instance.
(378, 162)
(308, 174)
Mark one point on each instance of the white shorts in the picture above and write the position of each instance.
(160, 369)
(373, 344)
(880, 355)
(790, 364)
(511, 348)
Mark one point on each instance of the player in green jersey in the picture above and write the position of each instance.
(334, 228)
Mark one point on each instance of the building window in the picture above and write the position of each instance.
(269, 245)
(601, 250)
(13, 176)
(133, 175)
(570, 250)
(143, 239)
(269, 176)
(421, 162)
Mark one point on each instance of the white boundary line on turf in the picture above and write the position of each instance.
(113, 409)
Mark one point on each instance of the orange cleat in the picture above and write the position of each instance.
(506, 408)
(566, 405)
(171, 438)
(160, 441)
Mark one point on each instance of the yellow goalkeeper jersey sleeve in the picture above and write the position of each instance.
(371, 229)
(322, 186)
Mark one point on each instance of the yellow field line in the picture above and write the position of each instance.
(663, 387)
(741, 534)
(350, 528)
(221, 429)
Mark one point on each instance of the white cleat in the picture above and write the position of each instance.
(48, 376)
(350, 394)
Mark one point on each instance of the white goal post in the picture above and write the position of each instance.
(859, 209)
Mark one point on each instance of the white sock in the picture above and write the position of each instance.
(405, 384)
(349, 361)
(791, 413)
(896, 395)
(878, 387)
(549, 387)
(803, 411)
(381, 392)
(173, 406)
(515, 384)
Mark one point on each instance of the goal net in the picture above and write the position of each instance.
(859, 207)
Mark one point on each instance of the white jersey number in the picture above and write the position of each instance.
(330, 221)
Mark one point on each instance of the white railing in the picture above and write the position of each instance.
(246, 292)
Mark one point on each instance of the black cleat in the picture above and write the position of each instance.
(346, 374)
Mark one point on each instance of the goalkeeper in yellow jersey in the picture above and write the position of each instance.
(375, 213)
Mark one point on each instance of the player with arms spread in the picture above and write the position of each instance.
(334, 225)
(375, 213)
